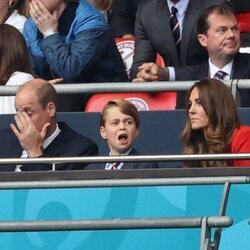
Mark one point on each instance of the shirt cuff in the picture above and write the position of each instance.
(171, 73)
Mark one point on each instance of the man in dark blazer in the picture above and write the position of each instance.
(154, 35)
(218, 32)
(37, 133)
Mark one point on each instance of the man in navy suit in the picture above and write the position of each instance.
(218, 32)
(38, 134)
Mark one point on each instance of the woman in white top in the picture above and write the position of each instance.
(13, 12)
(15, 66)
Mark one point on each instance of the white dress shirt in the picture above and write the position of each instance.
(16, 20)
(214, 69)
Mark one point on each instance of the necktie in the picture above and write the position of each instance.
(220, 75)
(115, 165)
(173, 21)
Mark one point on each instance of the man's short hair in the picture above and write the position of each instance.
(202, 24)
(44, 91)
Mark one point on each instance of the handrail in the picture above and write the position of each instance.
(48, 184)
(92, 88)
(205, 223)
(134, 158)
(113, 224)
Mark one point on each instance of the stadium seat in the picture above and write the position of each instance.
(143, 101)
(244, 21)
(126, 47)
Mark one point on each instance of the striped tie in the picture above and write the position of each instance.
(220, 75)
(115, 165)
(175, 28)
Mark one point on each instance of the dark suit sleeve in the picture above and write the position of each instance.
(122, 17)
(153, 165)
(144, 51)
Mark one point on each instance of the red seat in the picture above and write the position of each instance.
(244, 21)
(143, 101)
(126, 47)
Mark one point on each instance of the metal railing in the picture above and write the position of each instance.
(135, 158)
(207, 242)
(205, 223)
(93, 88)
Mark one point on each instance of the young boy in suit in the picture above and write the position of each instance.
(119, 126)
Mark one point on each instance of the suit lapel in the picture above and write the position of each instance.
(165, 31)
(130, 165)
(240, 67)
(191, 15)
(61, 141)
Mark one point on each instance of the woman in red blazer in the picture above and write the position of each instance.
(213, 125)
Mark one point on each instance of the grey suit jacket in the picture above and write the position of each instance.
(153, 34)
(126, 165)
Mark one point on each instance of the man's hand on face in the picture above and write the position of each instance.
(29, 137)
(42, 17)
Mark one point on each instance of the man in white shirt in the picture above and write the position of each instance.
(37, 132)
(218, 32)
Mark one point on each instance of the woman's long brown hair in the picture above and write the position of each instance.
(14, 53)
(219, 105)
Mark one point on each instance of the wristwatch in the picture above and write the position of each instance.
(49, 32)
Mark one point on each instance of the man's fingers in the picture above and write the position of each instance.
(44, 130)
(146, 66)
(19, 123)
(138, 79)
(23, 119)
(55, 81)
(42, 9)
(15, 130)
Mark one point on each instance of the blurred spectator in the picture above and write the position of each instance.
(102, 5)
(13, 12)
(213, 125)
(243, 7)
(15, 66)
(119, 126)
(37, 132)
(71, 40)
(122, 17)
(154, 34)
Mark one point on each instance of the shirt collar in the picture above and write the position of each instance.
(214, 69)
(181, 6)
(51, 138)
